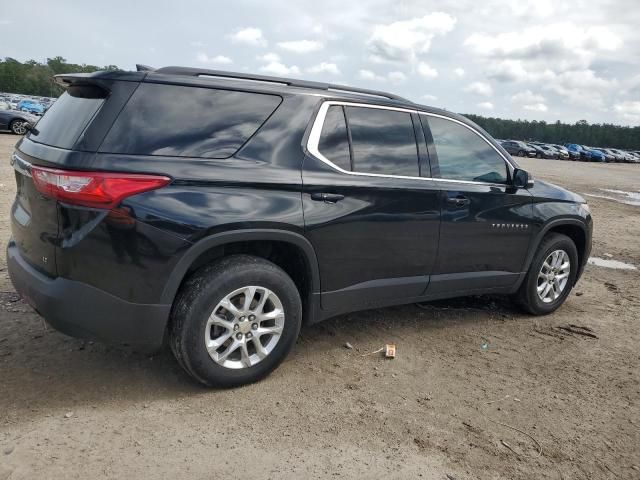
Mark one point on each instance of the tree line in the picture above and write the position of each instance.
(35, 78)
(595, 135)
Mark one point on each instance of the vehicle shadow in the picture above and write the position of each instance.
(43, 372)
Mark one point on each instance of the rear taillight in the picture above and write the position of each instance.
(93, 189)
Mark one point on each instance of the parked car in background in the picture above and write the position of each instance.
(577, 149)
(564, 153)
(587, 154)
(571, 154)
(624, 156)
(4, 105)
(617, 156)
(518, 148)
(632, 157)
(30, 106)
(16, 121)
(543, 152)
(598, 155)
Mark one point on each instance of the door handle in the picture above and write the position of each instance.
(459, 201)
(327, 197)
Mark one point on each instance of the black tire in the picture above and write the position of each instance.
(538, 155)
(521, 153)
(199, 296)
(527, 295)
(16, 125)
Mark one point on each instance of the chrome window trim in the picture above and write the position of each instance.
(316, 129)
(486, 140)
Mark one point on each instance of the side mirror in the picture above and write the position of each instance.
(522, 179)
(30, 127)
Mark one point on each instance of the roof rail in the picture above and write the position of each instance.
(197, 72)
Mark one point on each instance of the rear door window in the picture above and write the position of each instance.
(64, 122)
(181, 121)
(383, 141)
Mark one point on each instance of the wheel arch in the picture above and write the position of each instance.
(252, 241)
(573, 228)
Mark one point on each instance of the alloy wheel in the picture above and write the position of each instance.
(19, 128)
(553, 276)
(245, 327)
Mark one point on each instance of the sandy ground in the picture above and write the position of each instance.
(538, 402)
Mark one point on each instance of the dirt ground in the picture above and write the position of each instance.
(479, 390)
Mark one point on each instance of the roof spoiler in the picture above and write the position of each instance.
(100, 78)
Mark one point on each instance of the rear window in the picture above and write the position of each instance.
(187, 121)
(64, 122)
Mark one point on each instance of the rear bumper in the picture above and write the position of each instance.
(80, 310)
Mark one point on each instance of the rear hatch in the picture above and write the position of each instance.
(62, 133)
(34, 219)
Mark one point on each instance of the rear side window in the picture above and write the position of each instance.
(464, 155)
(383, 141)
(64, 122)
(334, 140)
(187, 121)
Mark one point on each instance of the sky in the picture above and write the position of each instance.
(530, 59)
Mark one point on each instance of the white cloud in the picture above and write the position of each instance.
(325, 67)
(511, 71)
(563, 45)
(479, 88)
(249, 36)
(280, 69)
(536, 107)
(486, 105)
(301, 46)
(459, 71)
(527, 96)
(396, 77)
(426, 70)
(369, 75)
(217, 60)
(405, 40)
(269, 57)
(537, 8)
(429, 97)
(629, 110)
(582, 87)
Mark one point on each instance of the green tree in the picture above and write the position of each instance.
(34, 78)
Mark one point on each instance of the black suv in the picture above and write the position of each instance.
(220, 211)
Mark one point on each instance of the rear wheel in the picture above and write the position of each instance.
(521, 153)
(18, 127)
(551, 275)
(235, 321)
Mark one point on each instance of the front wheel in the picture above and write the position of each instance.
(235, 321)
(551, 275)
